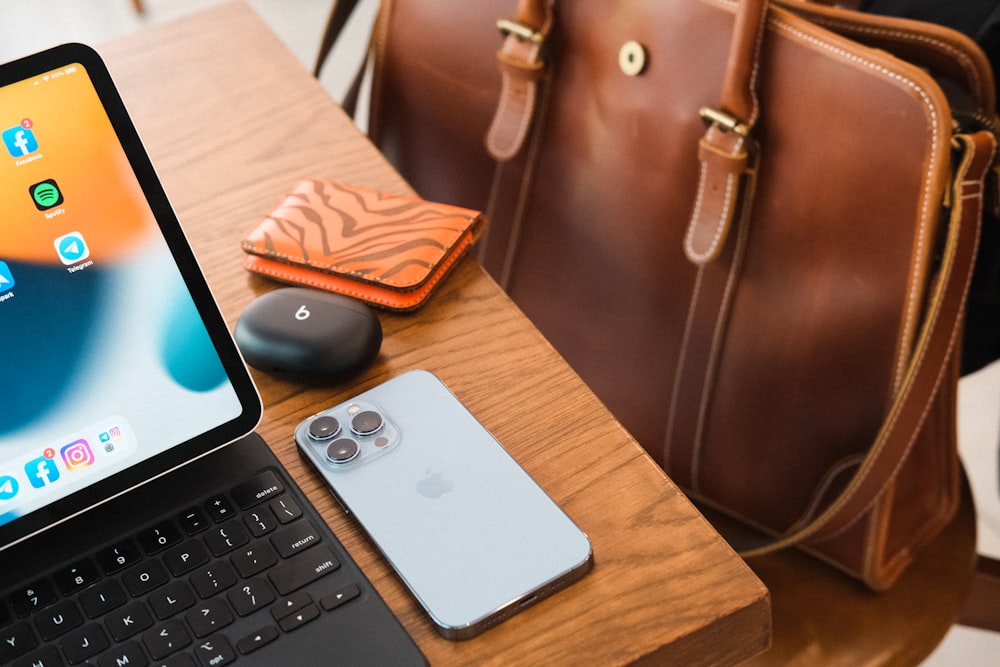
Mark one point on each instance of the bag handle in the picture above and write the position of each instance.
(522, 68)
(727, 151)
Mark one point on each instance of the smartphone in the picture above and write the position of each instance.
(472, 536)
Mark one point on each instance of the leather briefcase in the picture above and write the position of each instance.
(747, 225)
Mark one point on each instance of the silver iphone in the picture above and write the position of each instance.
(472, 536)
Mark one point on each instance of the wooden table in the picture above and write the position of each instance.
(232, 120)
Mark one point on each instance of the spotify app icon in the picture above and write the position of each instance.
(46, 194)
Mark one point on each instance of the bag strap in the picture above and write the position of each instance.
(929, 362)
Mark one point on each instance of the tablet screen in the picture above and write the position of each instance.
(112, 352)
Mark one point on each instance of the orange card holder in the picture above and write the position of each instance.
(390, 251)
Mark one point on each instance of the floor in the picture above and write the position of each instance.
(30, 26)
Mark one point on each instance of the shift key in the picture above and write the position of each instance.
(310, 565)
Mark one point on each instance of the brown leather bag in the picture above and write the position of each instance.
(750, 233)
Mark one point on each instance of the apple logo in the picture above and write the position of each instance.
(433, 485)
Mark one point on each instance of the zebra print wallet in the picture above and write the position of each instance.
(390, 251)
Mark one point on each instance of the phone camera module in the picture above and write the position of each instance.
(366, 423)
(324, 428)
(342, 451)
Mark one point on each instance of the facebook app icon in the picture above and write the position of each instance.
(20, 141)
(41, 472)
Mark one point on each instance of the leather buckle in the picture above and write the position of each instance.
(723, 121)
(519, 30)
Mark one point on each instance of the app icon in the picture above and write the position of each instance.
(46, 194)
(8, 487)
(72, 248)
(41, 472)
(77, 455)
(6, 278)
(20, 141)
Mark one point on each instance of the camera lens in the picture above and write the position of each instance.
(366, 423)
(324, 428)
(342, 450)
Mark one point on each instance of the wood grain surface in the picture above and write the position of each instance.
(232, 121)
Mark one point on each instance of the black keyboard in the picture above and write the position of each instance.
(202, 587)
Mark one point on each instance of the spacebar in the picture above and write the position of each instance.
(310, 565)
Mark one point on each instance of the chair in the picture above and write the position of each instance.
(823, 617)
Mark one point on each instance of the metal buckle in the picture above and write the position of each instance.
(522, 32)
(723, 121)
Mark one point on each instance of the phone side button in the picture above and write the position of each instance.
(302, 569)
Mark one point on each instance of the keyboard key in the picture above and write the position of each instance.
(173, 598)
(128, 654)
(168, 638)
(294, 538)
(102, 598)
(15, 641)
(33, 597)
(339, 597)
(253, 559)
(46, 656)
(306, 567)
(253, 493)
(225, 538)
(128, 620)
(214, 652)
(299, 618)
(178, 660)
(290, 605)
(144, 577)
(76, 577)
(185, 557)
(260, 522)
(159, 537)
(256, 640)
(219, 508)
(250, 596)
(208, 617)
(57, 620)
(84, 643)
(118, 557)
(213, 579)
(285, 509)
(193, 521)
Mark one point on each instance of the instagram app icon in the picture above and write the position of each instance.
(77, 455)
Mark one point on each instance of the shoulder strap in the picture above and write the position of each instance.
(929, 363)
